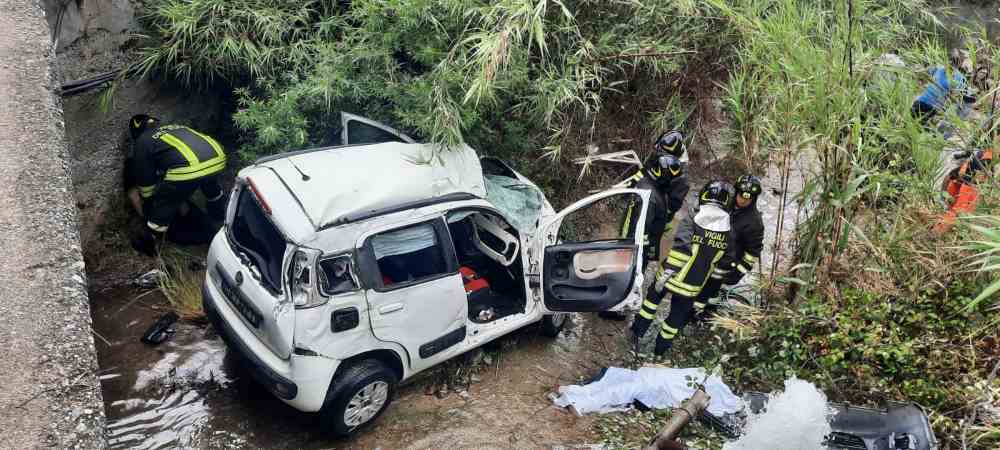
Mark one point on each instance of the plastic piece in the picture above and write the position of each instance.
(160, 330)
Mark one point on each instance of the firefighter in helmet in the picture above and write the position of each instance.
(747, 241)
(167, 165)
(701, 241)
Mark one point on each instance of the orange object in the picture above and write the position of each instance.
(965, 196)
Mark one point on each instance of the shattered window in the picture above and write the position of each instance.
(522, 202)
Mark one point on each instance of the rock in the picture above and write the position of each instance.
(464, 395)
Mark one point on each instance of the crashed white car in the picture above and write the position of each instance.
(343, 271)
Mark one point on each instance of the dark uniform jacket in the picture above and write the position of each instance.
(747, 243)
(694, 257)
(173, 153)
(663, 204)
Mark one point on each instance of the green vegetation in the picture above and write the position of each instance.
(876, 308)
(181, 283)
(510, 76)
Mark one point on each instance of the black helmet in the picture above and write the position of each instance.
(719, 193)
(139, 123)
(748, 186)
(664, 168)
(671, 143)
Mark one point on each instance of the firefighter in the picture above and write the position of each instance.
(700, 243)
(664, 175)
(747, 241)
(167, 165)
(962, 187)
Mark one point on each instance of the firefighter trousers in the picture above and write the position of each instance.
(681, 309)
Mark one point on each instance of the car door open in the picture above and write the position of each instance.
(591, 253)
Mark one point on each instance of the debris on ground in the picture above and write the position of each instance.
(161, 330)
(149, 280)
(617, 389)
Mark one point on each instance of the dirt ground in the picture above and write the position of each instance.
(190, 393)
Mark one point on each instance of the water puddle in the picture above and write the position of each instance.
(189, 393)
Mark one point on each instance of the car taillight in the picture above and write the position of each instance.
(260, 198)
(302, 279)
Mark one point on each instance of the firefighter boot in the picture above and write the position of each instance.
(663, 346)
(639, 327)
(148, 242)
(665, 340)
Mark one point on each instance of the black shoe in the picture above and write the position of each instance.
(145, 243)
(639, 327)
(663, 346)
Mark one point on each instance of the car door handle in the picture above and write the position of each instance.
(389, 309)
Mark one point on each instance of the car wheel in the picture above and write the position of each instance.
(358, 396)
(552, 324)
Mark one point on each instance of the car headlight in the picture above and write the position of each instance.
(302, 279)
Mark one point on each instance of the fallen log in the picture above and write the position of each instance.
(664, 440)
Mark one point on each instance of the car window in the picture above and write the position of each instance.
(363, 133)
(409, 254)
(609, 218)
(256, 236)
(336, 275)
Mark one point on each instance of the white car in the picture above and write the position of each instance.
(344, 271)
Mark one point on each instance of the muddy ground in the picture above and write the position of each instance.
(191, 393)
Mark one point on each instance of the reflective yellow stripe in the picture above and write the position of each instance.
(679, 255)
(147, 191)
(673, 287)
(674, 262)
(741, 268)
(215, 144)
(181, 147)
(650, 305)
(667, 331)
(209, 167)
(646, 314)
(690, 262)
(750, 259)
(699, 306)
(628, 220)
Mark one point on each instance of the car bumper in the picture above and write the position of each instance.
(300, 381)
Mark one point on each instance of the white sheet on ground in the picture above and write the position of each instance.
(655, 387)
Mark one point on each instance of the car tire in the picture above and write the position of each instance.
(358, 396)
(553, 324)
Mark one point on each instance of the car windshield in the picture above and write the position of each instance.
(521, 202)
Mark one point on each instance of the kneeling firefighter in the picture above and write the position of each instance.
(700, 243)
(167, 165)
(664, 176)
(747, 241)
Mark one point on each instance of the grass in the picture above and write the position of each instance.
(182, 282)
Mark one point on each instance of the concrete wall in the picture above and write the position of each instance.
(49, 396)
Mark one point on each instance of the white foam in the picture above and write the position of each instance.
(796, 419)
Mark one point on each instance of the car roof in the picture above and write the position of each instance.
(336, 183)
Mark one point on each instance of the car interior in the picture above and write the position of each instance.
(408, 255)
(488, 250)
